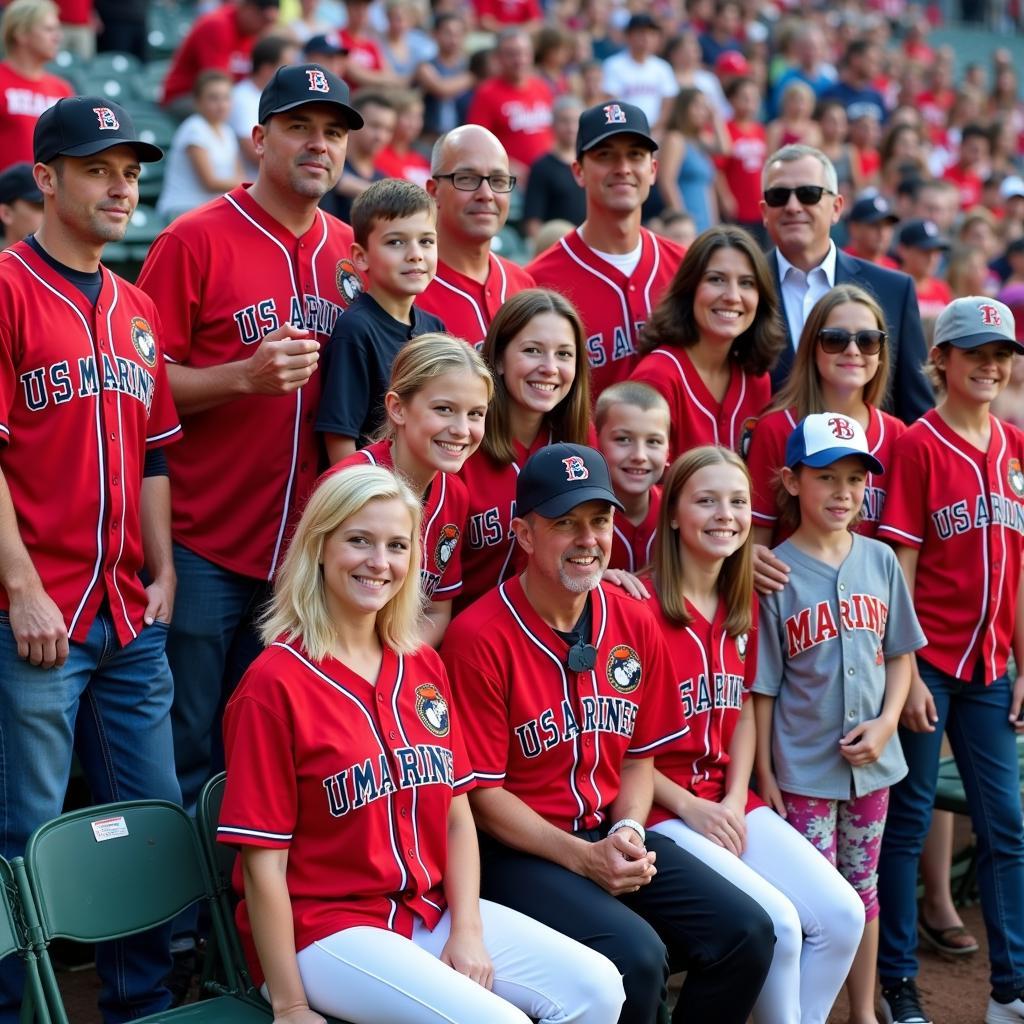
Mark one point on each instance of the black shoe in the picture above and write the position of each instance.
(183, 970)
(902, 1005)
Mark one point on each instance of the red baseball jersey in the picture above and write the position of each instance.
(767, 455)
(468, 307)
(363, 51)
(354, 779)
(633, 545)
(410, 165)
(696, 417)
(224, 276)
(613, 307)
(509, 12)
(553, 737)
(445, 507)
(22, 100)
(520, 115)
(83, 396)
(963, 509)
(743, 166)
(214, 41)
(713, 673)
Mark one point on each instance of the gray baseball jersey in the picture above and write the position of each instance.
(822, 647)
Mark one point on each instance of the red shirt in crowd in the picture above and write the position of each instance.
(879, 261)
(410, 165)
(520, 115)
(509, 12)
(933, 296)
(968, 182)
(743, 167)
(22, 100)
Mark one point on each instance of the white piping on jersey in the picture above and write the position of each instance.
(234, 830)
(495, 262)
(597, 735)
(99, 450)
(537, 642)
(298, 393)
(167, 433)
(334, 684)
(654, 270)
(626, 545)
(984, 543)
(901, 533)
(1002, 565)
(696, 773)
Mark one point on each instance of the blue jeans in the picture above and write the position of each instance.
(119, 698)
(974, 717)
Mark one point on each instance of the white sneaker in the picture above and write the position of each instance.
(1005, 1013)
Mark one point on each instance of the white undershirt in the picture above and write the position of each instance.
(624, 262)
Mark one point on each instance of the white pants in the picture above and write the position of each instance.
(818, 917)
(373, 976)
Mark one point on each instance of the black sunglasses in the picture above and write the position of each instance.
(835, 340)
(807, 195)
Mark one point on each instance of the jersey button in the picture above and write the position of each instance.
(380, 698)
(851, 714)
(405, 813)
(393, 735)
(849, 671)
(113, 436)
(842, 586)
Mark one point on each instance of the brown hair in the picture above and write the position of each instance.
(672, 322)
(629, 392)
(802, 390)
(735, 581)
(570, 419)
(387, 199)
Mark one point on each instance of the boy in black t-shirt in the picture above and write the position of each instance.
(395, 249)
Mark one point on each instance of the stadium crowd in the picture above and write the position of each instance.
(564, 460)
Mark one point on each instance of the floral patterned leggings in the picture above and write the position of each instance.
(848, 833)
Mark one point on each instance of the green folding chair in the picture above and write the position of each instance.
(109, 872)
(14, 941)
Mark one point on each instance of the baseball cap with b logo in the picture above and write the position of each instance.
(85, 125)
(826, 437)
(294, 85)
(561, 476)
(612, 118)
(974, 321)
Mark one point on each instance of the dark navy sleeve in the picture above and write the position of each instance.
(347, 385)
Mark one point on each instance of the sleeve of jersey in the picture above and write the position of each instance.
(456, 514)
(769, 649)
(345, 402)
(659, 722)
(172, 279)
(164, 424)
(903, 632)
(464, 778)
(261, 796)
(649, 371)
(905, 513)
(764, 461)
(482, 695)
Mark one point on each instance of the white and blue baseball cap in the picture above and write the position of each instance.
(826, 437)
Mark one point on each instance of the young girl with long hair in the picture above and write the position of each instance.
(346, 786)
(436, 408)
(707, 610)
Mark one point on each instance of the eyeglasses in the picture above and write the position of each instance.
(807, 195)
(582, 657)
(466, 182)
(835, 340)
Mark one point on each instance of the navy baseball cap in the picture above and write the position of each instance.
(16, 182)
(873, 209)
(329, 43)
(826, 437)
(922, 234)
(85, 125)
(974, 321)
(561, 476)
(295, 85)
(612, 118)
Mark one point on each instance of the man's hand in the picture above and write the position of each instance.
(284, 360)
(1017, 705)
(160, 600)
(38, 628)
(619, 863)
(919, 714)
(770, 572)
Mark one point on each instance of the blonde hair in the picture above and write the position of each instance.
(802, 390)
(735, 581)
(424, 359)
(628, 392)
(23, 16)
(298, 609)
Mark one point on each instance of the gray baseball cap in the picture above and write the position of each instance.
(974, 321)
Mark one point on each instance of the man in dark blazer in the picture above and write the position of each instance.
(800, 205)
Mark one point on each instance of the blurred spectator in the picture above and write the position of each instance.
(686, 172)
(677, 226)
(919, 247)
(811, 67)
(972, 165)
(870, 226)
(361, 169)
(549, 233)
(592, 84)
(939, 201)
(223, 40)
(30, 30)
(1009, 405)
(366, 64)
(905, 199)
(552, 191)
(902, 154)
(795, 122)
(835, 126)
(316, 18)
(124, 27)
(865, 137)
(856, 89)
(268, 55)
(731, 64)
(967, 273)
(445, 77)
(328, 50)
(1011, 192)
(405, 45)
(968, 108)
(723, 33)
(204, 160)
(597, 23)
(400, 158)
(496, 15)
(637, 76)
(78, 25)
(683, 56)
(1004, 137)
(1005, 97)
(21, 204)
(936, 101)
(741, 167)
(552, 57)
(515, 104)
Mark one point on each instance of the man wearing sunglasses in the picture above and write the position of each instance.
(800, 204)
(472, 185)
(566, 693)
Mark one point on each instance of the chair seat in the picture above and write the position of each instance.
(223, 1010)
